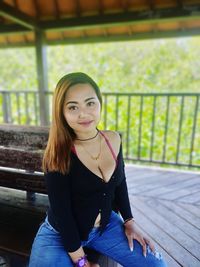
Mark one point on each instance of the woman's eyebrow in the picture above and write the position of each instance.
(75, 102)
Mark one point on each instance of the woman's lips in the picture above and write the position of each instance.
(85, 123)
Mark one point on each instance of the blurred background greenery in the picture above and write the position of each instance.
(153, 66)
(165, 65)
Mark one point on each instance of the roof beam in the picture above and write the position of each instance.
(12, 29)
(19, 17)
(108, 20)
(126, 18)
(120, 38)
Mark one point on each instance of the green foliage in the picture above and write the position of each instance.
(147, 66)
(170, 65)
(18, 69)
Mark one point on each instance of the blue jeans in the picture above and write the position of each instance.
(48, 250)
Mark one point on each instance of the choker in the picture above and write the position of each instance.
(88, 138)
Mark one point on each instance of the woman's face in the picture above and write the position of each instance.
(82, 108)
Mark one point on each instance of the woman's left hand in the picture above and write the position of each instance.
(132, 232)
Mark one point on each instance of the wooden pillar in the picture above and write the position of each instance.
(41, 59)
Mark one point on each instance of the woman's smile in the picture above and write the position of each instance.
(86, 123)
(82, 110)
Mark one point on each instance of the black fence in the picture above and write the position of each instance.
(160, 128)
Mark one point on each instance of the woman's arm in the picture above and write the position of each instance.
(123, 204)
(60, 204)
(121, 191)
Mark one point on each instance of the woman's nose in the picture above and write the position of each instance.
(82, 113)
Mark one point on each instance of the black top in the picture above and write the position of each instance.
(77, 198)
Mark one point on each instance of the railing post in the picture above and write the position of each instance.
(5, 108)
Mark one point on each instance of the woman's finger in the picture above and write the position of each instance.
(144, 246)
(151, 245)
(130, 242)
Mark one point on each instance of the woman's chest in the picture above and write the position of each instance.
(84, 181)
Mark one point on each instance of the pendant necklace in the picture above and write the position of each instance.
(91, 156)
(96, 158)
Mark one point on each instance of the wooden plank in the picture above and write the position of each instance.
(21, 159)
(32, 182)
(17, 198)
(23, 136)
(159, 238)
(146, 176)
(167, 241)
(18, 228)
(182, 194)
(13, 260)
(171, 229)
(174, 219)
(154, 183)
(3, 262)
(168, 188)
(169, 260)
(180, 211)
(194, 209)
(192, 198)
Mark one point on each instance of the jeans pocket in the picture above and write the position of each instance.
(50, 227)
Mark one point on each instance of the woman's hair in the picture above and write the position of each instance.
(61, 135)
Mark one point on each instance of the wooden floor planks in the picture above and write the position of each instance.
(166, 206)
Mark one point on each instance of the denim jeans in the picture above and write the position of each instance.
(48, 251)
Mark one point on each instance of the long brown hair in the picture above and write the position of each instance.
(61, 135)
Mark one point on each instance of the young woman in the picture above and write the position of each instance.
(84, 173)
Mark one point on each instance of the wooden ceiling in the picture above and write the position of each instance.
(82, 21)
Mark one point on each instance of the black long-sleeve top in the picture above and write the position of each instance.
(77, 198)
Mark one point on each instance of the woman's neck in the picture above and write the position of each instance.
(84, 137)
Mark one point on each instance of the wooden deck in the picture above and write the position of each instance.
(165, 203)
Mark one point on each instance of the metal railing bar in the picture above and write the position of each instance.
(18, 108)
(5, 107)
(153, 127)
(105, 112)
(149, 94)
(160, 162)
(128, 125)
(26, 109)
(35, 108)
(9, 109)
(179, 129)
(140, 126)
(166, 128)
(116, 113)
(194, 130)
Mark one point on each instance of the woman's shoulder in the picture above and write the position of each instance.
(112, 135)
(114, 139)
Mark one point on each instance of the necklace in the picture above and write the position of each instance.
(89, 138)
(91, 156)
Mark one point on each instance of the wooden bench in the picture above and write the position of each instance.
(22, 210)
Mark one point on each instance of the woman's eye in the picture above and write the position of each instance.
(90, 103)
(73, 108)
